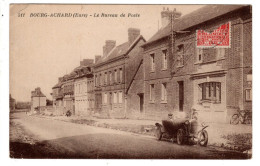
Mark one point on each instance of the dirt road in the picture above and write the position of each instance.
(58, 139)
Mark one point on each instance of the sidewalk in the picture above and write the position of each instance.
(235, 137)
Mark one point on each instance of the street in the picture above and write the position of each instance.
(58, 139)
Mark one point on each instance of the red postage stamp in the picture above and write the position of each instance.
(219, 38)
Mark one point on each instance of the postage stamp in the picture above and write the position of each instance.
(219, 38)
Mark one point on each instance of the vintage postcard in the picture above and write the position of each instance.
(130, 81)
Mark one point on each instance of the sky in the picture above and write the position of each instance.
(43, 49)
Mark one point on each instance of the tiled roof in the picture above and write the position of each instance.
(194, 18)
(119, 50)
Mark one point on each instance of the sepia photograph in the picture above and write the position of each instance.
(103, 81)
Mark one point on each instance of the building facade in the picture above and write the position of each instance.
(214, 81)
(113, 74)
(84, 99)
(57, 97)
(38, 99)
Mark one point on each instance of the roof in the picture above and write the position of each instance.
(119, 50)
(196, 17)
(58, 85)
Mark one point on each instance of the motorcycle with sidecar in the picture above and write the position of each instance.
(183, 131)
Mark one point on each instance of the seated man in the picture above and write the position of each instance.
(170, 117)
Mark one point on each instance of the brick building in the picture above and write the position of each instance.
(114, 72)
(83, 83)
(215, 81)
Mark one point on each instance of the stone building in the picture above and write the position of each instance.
(215, 81)
(57, 97)
(38, 99)
(67, 88)
(83, 83)
(113, 73)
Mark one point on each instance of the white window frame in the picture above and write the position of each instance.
(115, 97)
(152, 60)
(120, 75)
(164, 59)
(115, 73)
(164, 92)
(120, 97)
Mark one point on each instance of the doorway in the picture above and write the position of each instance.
(141, 96)
(181, 95)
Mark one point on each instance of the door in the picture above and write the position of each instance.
(141, 95)
(181, 95)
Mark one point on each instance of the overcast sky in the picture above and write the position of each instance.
(43, 49)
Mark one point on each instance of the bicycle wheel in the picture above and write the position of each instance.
(248, 119)
(234, 119)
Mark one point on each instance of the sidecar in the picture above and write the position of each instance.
(183, 131)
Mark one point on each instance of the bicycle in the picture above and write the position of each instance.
(242, 116)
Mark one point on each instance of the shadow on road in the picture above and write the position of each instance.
(115, 146)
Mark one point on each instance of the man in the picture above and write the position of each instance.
(170, 117)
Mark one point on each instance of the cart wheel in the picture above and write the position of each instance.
(158, 133)
(180, 136)
(203, 138)
(234, 119)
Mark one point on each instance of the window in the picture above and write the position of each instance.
(210, 91)
(152, 62)
(115, 97)
(249, 89)
(199, 54)
(180, 55)
(164, 59)
(110, 78)
(220, 53)
(96, 80)
(120, 75)
(164, 92)
(115, 76)
(151, 92)
(120, 97)
(100, 79)
(105, 81)
(105, 98)
(249, 94)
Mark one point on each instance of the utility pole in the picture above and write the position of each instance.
(173, 16)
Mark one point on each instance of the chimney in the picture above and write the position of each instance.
(133, 33)
(60, 79)
(97, 58)
(110, 44)
(86, 62)
(165, 16)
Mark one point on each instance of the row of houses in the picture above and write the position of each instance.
(149, 79)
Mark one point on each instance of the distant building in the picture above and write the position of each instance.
(113, 74)
(38, 99)
(84, 98)
(11, 103)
